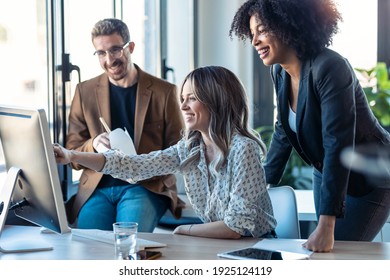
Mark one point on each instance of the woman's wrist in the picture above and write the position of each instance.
(327, 222)
(189, 230)
(72, 156)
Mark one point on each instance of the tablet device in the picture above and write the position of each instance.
(252, 253)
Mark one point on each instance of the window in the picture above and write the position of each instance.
(357, 38)
(23, 56)
(24, 53)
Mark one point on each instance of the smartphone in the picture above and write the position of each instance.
(251, 253)
(148, 255)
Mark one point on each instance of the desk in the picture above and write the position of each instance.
(180, 247)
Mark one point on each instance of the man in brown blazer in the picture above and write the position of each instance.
(148, 107)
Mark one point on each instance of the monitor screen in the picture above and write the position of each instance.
(30, 162)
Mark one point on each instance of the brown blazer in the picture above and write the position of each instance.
(158, 124)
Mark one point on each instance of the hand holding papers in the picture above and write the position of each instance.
(119, 139)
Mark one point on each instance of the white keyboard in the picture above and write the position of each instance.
(108, 237)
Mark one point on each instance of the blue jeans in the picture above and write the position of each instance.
(364, 216)
(123, 203)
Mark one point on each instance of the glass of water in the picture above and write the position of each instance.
(125, 240)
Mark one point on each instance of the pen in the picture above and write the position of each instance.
(108, 130)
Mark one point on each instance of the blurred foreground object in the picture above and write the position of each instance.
(371, 160)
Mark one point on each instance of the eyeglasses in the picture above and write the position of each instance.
(115, 52)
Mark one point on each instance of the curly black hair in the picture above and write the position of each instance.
(305, 25)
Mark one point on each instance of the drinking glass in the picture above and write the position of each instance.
(125, 240)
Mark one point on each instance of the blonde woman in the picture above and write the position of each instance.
(219, 157)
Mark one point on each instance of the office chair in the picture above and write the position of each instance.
(284, 204)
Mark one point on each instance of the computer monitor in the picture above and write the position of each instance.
(32, 187)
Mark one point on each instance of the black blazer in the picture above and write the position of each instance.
(332, 114)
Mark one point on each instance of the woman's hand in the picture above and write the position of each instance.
(94, 161)
(322, 238)
(62, 155)
(183, 229)
(216, 229)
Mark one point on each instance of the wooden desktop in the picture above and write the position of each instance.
(179, 247)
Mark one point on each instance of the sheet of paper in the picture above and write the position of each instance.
(288, 245)
(101, 148)
(121, 140)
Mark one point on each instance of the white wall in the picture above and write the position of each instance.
(180, 37)
(215, 46)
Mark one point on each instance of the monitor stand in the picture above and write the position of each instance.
(11, 244)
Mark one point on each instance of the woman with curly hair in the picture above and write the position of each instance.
(219, 157)
(321, 109)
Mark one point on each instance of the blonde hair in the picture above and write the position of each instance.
(223, 94)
